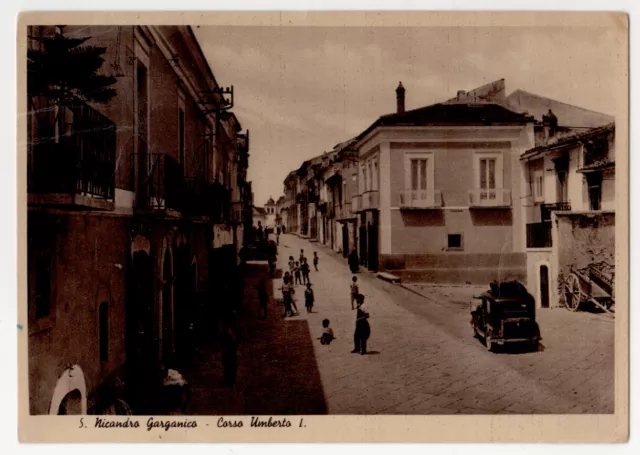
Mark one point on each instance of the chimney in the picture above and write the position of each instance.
(461, 94)
(400, 98)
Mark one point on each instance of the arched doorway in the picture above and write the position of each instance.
(70, 393)
(544, 286)
(71, 404)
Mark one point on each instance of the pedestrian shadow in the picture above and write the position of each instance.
(372, 353)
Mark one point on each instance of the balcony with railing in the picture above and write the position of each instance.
(420, 199)
(80, 168)
(546, 209)
(370, 200)
(343, 211)
(356, 203)
(490, 198)
(162, 184)
(539, 235)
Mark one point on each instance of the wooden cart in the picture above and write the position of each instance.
(593, 284)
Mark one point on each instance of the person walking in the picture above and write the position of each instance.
(363, 329)
(287, 295)
(315, 260)
(304, 268)
(354, 292)
(353, 262)
(292, 265)
(309, 298)
(297, 273)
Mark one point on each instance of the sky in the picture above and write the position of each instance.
(302, 90)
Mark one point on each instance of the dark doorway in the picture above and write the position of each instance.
(363, 245)
(372, 250)
(140, 314)
(167, 315)
(345, 240)
(544, 286)
(71, 404)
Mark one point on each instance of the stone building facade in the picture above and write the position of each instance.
(136, 211)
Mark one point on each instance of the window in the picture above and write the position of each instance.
(538, 186)
(103, 327)
(488, 168)
(454, 241)
(364, 178)
(594, 184)
(562, 191)
(376, 176)
(43, 286)
(419, 174)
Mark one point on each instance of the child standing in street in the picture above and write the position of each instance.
(315, 260)
(297, 273)
(363, 330)
(304, 267)
(327, 333)
(354, 291)
(292, 265)
(309, 298)
(301, 255)
(287, 296)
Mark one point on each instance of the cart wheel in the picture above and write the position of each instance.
(573, 292)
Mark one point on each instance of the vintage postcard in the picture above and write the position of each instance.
(332, 227)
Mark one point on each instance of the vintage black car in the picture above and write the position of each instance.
(505, 314)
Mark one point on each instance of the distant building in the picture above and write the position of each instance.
(270, 210)
(259, 217)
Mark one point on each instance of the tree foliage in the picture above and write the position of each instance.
(66, 70)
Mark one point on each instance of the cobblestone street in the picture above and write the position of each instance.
(422, 359)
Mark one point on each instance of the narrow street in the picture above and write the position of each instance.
(422, 359)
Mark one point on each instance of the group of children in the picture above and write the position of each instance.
(298, 273)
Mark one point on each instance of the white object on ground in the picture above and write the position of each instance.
(174, 378)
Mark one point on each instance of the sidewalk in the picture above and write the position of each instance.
(277, 370)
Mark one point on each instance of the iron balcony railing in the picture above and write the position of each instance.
(539, 235)
(356, 203)
(546, 209)
(343, 211)
(489, 197)
(370, 199)
(83, 162)
(162, 183)
(421, 199)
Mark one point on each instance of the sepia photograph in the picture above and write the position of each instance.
(264, 223)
